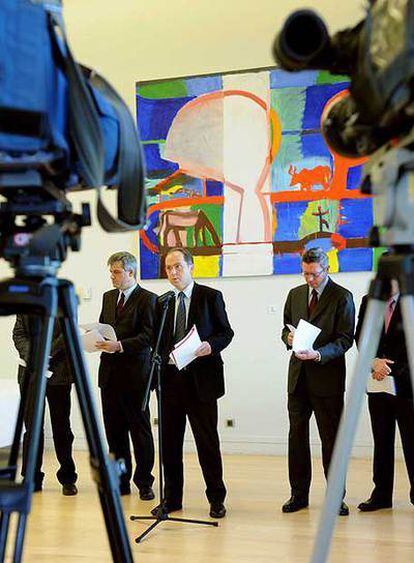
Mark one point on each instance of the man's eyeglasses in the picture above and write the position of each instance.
(314, 275)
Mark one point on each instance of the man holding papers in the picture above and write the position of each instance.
(124, 371)
(192, 391)
(316, 380)
(390, 400)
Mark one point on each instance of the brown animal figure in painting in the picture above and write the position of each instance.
(174, 226)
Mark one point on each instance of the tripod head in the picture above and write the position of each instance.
(37, 223)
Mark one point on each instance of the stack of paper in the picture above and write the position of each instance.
(184, 351)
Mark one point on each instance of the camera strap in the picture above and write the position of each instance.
(131, 171)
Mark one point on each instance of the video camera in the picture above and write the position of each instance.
(378, 55)
(62, 128)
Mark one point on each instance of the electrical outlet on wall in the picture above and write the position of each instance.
(155, 421)
(230, 423)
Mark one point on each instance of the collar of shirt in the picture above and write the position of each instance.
(319, 290)
(187, 291)
(394, 298)
(127, 292)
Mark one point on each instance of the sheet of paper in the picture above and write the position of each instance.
(107, 331)
(386, 385)
(304, 336)
(183, 352)
(89, 339)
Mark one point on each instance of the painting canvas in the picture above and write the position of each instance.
(238, 172)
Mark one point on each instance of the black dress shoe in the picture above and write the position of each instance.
(343, 509)
(38, 487)
(146, 493)
(217, 510)
(166, 507)
(69, 489)
(294, 504)
(372, 504)
(125, 490)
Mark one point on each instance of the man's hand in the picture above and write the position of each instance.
(381, 367)
(110, 346)
(376, 375)
(306, 355)
(203, 350)
(290, 338)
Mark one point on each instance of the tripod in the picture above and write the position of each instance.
(161, 514)
(43, 296)
(389, 176)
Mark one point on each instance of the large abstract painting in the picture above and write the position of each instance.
(239, 173)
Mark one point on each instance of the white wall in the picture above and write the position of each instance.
(131, 40)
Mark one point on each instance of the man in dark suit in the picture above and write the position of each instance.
(386, 409)
(58, 391)
(124, 371)
(193, 391)
(316, 380)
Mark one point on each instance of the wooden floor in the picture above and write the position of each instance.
(71, 529)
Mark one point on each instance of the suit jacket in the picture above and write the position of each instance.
(335, 316)
(208, 312)
(59, 364)
(134, 328)
(392, 346)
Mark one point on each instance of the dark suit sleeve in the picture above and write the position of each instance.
(361, 316)
(343, 336)
(142, 341)
(287, 319)
(223, 333)
(21, 338)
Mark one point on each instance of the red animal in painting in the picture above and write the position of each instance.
(308, 177)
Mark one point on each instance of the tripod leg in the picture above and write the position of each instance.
(407, 309)
(368, 345)
(101, 466)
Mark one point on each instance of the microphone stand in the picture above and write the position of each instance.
(161, 514)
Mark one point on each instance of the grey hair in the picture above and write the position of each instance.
(316, 254)
(128, 261)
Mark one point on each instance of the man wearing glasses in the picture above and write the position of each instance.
(316, 379)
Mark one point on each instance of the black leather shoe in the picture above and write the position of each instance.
(217, 510)
(343, 509)
(294, 504)
(38, 487)
(372, 504)
(69, 489)
(146, 493)
(166, 507)
(125, 489)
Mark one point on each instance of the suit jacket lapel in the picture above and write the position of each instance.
(195, 297)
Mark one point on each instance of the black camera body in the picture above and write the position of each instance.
(377, 54)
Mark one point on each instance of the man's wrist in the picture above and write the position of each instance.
(120, 349)
(318, 356)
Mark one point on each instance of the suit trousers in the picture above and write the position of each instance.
(179, 401)
(385, 411)
(301, 404)
(58, 400)
(123, 418)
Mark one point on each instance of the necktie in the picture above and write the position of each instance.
(120, 305)
(180, 322)
(313, 302)
(389, 309)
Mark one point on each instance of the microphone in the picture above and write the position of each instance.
(165, 298)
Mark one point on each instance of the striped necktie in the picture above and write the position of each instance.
(181, 321)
